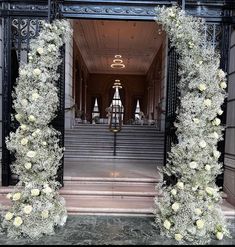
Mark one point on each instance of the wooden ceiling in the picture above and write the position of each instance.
(100, 40)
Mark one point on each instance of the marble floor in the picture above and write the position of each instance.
(109, 169)
(104, 230)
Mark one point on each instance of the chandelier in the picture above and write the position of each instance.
(117, 61)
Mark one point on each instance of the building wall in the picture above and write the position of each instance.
(69, 100)
(229, 172)
(1, 57)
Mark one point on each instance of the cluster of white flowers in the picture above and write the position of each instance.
(189, 210)
(36, 205)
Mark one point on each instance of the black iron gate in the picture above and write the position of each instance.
(172, 100)
(19, 28)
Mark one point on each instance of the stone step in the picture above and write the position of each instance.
(108, 157)
(77, 205)
(119, 146)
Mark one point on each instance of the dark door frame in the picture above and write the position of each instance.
(218, 16)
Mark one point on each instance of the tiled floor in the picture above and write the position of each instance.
(100, 230)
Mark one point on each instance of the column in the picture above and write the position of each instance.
(229, 160)
(69, 101)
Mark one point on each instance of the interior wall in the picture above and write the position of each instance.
(99, 85)
(156, 80)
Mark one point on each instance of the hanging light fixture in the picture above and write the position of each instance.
(117, 61)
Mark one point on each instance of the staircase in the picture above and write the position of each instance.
(99, 182)
(96, 141)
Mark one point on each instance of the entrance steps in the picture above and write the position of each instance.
(95, 141)
(109, 198)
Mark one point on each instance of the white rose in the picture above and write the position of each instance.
(207, 102)
(23, 72)
(174, 192)
(216, 154)
(18, 116)
(178, 237)
(198, 211)
(32, 118)
(24, 102)
(35, 96)
(220, 112)
(215, 135)
(167, 224)
(47, 190)
(219, 235)
(44, 143)
(38, 131)
(221, 73)
(9, 216)
(23, 127)
(196, 120)
(216, 122)
(202, 144)
(45, 214)
(31, 154)
(193, 165)
(194, 188)
(200, 62)
(202, 87)
(16, 196)
(28, 209)
(209, 190)
(37, 72)
(207, 167)
(9, 196)
(63, 220)
(18, 221)
(40, 50)
(24, 141)
(223, 85)
(27, 165)
(35, 192)
(200, 224)
(180, 185)
(175, 206)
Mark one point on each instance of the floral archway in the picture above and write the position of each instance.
(188, 210)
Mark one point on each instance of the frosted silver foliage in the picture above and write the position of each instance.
(37, 206)
(189, 210)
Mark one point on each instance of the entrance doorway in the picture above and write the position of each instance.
(133, 52)
(121, 174)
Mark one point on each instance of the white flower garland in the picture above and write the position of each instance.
(189, 211)
(36, 205)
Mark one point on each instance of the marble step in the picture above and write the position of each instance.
(115, 206)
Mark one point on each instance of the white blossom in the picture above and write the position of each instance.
(219, 235)
(9, 216)
(167, 224)
(18, 221)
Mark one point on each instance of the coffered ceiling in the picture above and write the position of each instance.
(100, 40)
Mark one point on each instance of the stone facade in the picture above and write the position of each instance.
(1, 58)
(229, 172)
